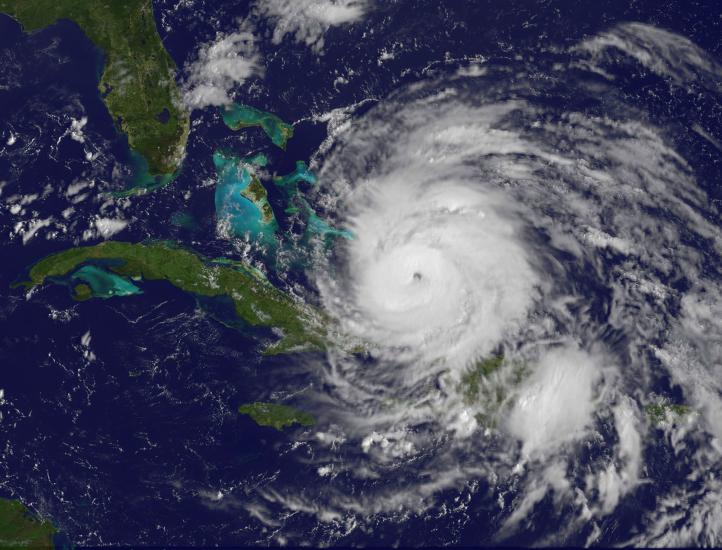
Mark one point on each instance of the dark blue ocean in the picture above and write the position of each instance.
(119, 416)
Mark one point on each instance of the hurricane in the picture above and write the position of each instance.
(429, 261)
(533, 258)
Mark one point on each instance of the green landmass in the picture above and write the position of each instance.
(259, 159)
(257, 194)
(276, 416)
(238, 116)
(658, 412)
(240, 171)
(490, 395)
(254, 299)
(470, 384)
(82, 292)
(138, 80)
(239, 184)
(21, 529)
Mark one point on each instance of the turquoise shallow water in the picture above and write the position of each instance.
(103, 283)
(289, 182)
(290, 185)
(142, 180)
(318, 226)
(243, 215)
(240, 116)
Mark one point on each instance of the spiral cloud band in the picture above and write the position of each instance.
(538, 217)
(430, 261)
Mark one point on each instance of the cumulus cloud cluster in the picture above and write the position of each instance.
(232, 58)
(220, 65)
(308, 20)
(556, 404)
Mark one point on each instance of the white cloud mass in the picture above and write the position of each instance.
(557, 403)
(308, 20)
(220, 65)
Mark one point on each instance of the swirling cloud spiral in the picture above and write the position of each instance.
(533, 213)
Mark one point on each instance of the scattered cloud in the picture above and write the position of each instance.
(665, 53)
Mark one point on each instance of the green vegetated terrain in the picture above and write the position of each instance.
(238, 116)
(20, 529)
(470, 384)
(489, 389)
(276, 416)
(659, 412)
(237, 179)
(138, 81)
(255, 300)
(257, 194)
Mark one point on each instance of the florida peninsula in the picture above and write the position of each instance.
(138, 81)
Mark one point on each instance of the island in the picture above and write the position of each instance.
(298, 204)
(662, 411)
(471, 381)
(21, 529)
(251, 297)
(276, 416)
(289, 183)
(241, 200)
(138, 80)
(238, 116)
